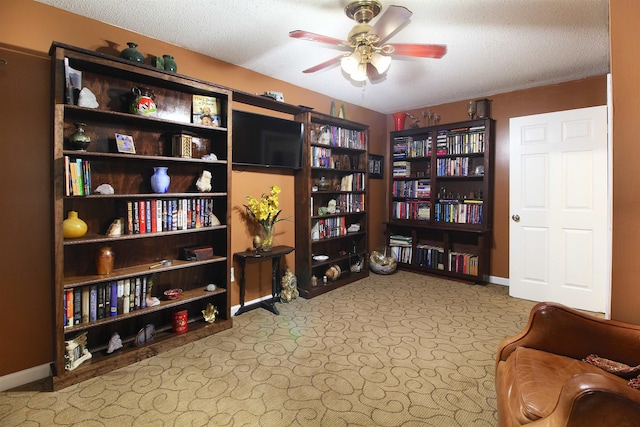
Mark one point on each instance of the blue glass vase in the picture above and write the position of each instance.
(160, 180)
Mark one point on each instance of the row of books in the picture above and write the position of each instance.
(94, 302)
(77, 177)
(461, 141)
(460, 262)
(430, 256)
(418, 189)
(411, 209)
(346, 203)
(341, 137)
(326, 228)
(353, 182)
(322, 157)
(407, 147)
(156, 215)
(461, 212)
(457, 166)
(401, 253)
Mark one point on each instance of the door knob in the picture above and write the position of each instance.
(516, 218)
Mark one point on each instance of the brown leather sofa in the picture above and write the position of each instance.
(542, 380)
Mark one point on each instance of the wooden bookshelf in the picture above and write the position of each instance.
(440, 215)
(111, 79)
(336, 150)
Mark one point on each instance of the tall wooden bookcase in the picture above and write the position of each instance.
(144, 331)
(331, 204)
(440, 215)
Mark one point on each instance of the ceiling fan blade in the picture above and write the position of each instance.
(392, 19)
(324, 64)
(305, 35)
(420, 50)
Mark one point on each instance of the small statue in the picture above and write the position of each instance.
(289, 287)
(115, 229)
(203, 184)
(209, 313)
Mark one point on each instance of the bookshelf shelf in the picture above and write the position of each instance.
(442, 198)
(82, 297)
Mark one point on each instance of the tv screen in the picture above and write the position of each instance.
(266, 141)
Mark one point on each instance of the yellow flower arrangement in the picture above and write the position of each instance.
(265, 211)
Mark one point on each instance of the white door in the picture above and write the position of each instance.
(558, 237)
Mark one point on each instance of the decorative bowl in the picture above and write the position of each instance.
(382, 261)
(172, 293)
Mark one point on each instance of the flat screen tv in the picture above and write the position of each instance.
(265, 141)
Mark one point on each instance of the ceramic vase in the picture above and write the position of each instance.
(398, 120)
(105, 258)
(160, 180)
(79, 140)
(73, 227)
(170, 63)
(132, 54)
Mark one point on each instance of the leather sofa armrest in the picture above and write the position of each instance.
(593, 399)
(562, 330)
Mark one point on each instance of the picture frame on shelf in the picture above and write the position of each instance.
(124, 144)
(376, 166)
(205, 111)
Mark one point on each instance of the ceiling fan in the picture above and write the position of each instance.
(367, 43)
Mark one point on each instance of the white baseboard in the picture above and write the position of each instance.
(235, 308)
(499, 280)
(27, 376)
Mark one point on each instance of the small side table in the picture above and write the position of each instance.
(274, 255)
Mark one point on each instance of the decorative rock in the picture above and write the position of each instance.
(152, 301)
(87, 99)
(210, 157)
(114, 343)
(210, 287)
(104, 189)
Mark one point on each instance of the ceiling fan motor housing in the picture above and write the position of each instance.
(363, 11)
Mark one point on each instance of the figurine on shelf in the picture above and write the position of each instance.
(209, 313)
(203, 184)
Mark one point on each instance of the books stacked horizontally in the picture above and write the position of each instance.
(402, 169)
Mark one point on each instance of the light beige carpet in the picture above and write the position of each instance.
(398, 350)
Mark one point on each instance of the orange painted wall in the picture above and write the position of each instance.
(625, 67)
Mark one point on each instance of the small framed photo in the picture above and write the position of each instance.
(376, 166)
(125, 144)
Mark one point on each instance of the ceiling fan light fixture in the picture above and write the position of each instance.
(350, 63)
(360, 74)
(381, 62)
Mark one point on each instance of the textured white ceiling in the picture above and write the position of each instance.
(494, 46)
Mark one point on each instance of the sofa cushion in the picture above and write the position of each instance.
(537, 378)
